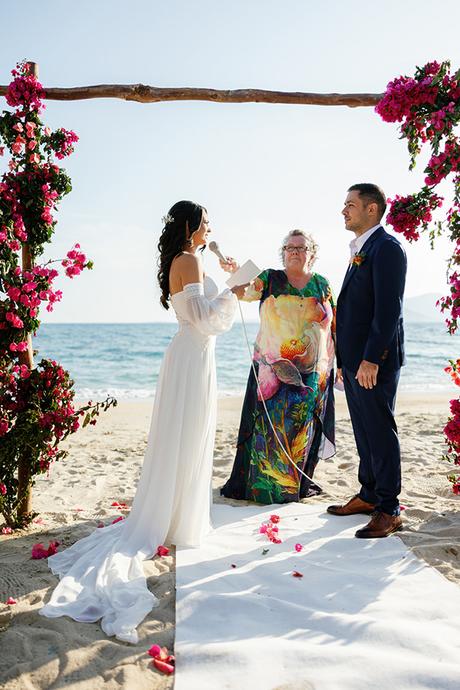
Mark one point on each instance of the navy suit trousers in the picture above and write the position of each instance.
(374, 427)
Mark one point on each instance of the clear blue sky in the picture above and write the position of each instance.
(260, 169)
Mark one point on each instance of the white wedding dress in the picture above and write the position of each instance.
(102, 575)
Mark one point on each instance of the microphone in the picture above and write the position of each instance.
(214, 247)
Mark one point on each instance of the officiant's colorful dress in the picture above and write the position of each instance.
(294, 360)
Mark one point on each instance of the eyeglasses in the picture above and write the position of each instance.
(290, 249)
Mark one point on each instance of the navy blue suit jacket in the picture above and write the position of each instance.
(370, 304)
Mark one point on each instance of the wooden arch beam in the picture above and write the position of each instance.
(152, 94)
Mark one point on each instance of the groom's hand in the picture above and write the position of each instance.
(367, 374)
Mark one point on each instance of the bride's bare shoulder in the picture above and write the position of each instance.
(186, 268)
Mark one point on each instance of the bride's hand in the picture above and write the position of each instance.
(239, 290)
(230, 265)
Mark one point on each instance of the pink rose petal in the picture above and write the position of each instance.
(162, 661)
(39, 551)
(52, 548)
(295, 573)
(163, 666)
(275, 518)
(118, 519)
(298, 547)
(154, 650)
(162, 550)
(10, 601)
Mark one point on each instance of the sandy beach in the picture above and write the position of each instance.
(103, 468)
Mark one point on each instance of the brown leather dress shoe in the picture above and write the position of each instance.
(355, 506)
(381, 525)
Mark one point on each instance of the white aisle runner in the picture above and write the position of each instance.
(366, 615)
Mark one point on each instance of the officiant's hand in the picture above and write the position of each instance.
(230, 265)
(239, 290)
(367, 374)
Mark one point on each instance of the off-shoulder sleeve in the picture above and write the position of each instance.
(210, 317)
(255, 291)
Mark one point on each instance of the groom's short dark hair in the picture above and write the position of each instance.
(371, 194)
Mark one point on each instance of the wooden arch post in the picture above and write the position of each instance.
(27, 358)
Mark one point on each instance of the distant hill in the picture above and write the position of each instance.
(423, 308)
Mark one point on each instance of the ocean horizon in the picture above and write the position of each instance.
(124, 359)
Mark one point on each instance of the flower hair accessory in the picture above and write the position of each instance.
(358, 259)
(167, 219)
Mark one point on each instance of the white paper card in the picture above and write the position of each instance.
(247, 272)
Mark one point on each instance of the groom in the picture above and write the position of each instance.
(370, 353)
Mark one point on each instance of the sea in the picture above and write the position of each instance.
(123, 360)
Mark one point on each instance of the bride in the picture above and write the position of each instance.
(102, 575)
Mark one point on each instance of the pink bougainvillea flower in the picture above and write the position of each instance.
(298, 547)
(162, 550)
(39, 551)
(295, 573)
(118, 519)
(7, 530)
(10, 601)
(275, 518)
(263, 528)
(2, 489)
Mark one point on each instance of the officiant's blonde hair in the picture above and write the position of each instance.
(310, 243)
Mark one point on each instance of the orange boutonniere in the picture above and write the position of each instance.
(358, 259)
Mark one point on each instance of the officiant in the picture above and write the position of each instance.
(287, 420)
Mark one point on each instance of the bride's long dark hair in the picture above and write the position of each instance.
(183, 219)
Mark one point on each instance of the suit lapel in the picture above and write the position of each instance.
(368, 243)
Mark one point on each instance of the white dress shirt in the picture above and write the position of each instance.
(358, 243)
